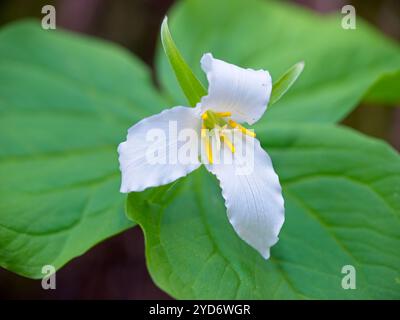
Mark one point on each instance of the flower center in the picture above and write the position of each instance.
(217, 124)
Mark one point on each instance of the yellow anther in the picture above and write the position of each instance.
(228, 142)
(207, 144)
(234, 124)
(208, 150)
(223, 114)
(204, 116)
(248, 132)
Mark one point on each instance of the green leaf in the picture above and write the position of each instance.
(385, 91)
(65, 104)
(190, 85)
(341, 64)
(342, 199)
(281, 86)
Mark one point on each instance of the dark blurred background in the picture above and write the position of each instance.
(115, 269)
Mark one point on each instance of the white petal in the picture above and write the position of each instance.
(253, 196)
(139, 171)
(244, 92)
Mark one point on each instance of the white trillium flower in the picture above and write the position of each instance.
(254, 201)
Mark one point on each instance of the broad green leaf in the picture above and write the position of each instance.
(386, 90)
(283, 84)
(341, 64)
(342, 199)
(190, 85)
(65, 104)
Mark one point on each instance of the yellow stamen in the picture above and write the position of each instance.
(228, 142)
(204, 116)
(207, 144)
(223, 114)
(209, 150)
(234, 124)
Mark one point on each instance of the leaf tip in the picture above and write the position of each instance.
(285, 82)
(164, 22)
(164, 25)
(164, 29)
